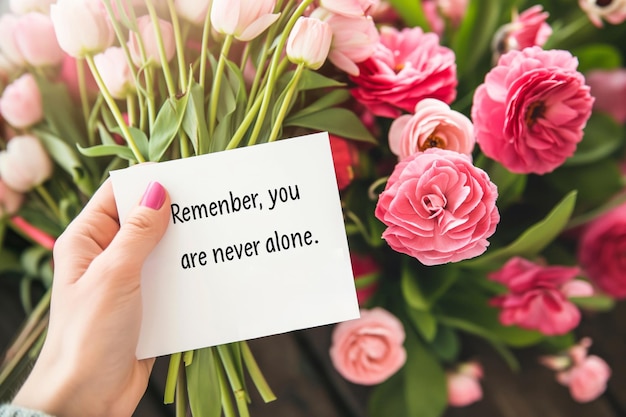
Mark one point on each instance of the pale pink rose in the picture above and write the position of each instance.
(354, 39)
(309, 42)
(150, 42)
(433, 125)
(613, 11)
(608, 87)
(587, 379)
(438, 207)
(37, 235)
(536, 299)
(116, 74)
(530, 112)
(82, 27)
(8, 46)
(193, 11)
(25, 163)
(20, 104)
(464, 384)
(407, 66)
(26, 6)
(602, 251)
(10, 200)
(243, 19)
(527, 29)
(36, 39)
(368, 350)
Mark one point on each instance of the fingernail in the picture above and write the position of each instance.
(154, 196)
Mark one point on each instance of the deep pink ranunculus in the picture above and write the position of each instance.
(530, 112)
(370, 349)
(438, 207)
(602, 251)
(406, 67)
(536, 299)
(527, 29)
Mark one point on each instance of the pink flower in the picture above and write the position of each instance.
(193, 11)
(613, 11)
(8, 46)
(464, 384)
(354, 39)
(438, 10)
(116, 75)
(526, 30)
(608, 87)
(20, 104)
(36, 39)
(602, 251)
(69, 76)
(243, 19)
(530, 112)
(407, 66)
(10, 200)
(345, 157)
(25, 163)
(433, 125)
(150, 42)
(34, 233)
(438, 207)
(309, 42)
(368, 350)
(366, 275)
(536, 299)
(26, 6)
(350, 8)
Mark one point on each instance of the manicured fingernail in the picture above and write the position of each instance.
(154, 196)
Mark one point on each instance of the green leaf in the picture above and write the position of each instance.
(411, 12)
(533, 240)
(9, 262)
(598, 302)
(411, 291)
(603, 136)
(166, 126)
(231, 108)
(328, 100)
(312, 80)
(422, 287)
(195, 122)
(446, 344)
(597, 56)
(337, 121)
(108, 150)
(388, 399)
(424, 322)
(32, 258)
(510, 186)
(203, 384)
(60, 111)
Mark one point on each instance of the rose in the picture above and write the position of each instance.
(464, 384)
(21, 102)
(530, 112)
(147, 35)
(25, 163)
(438, 207)
(433, 125)
(309, 42)
(368, 350)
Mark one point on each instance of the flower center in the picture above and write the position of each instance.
(603, 3)
(534, 112)
(433, 141)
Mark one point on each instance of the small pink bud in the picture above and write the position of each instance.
(464, 386)
(309, 42)
(115, 72)
(25, 163)
(36, 39)
(243, 19)
(20, 104)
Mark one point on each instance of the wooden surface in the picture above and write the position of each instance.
(299, 371)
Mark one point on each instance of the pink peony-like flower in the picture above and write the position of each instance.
(10, 200)
(527, 29)
(25, 163)
(433, 125)
(368, 350)
(438, 207)
(20, 104)
(530, 112)
(602, 251)
(537, 298)
(151, 43)
(309, 42)
(243, 19)
(36, 39)
(464, 384)
(608, 87)
(406, 67)
(613, 11)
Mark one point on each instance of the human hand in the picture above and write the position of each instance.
(87, 366)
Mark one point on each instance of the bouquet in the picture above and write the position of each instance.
(478, 150)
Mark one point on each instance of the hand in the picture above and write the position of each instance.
(87, 366)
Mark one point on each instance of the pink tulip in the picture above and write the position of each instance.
(36, 39)
(609, 89)
(350, 8)
(116, 75)
(10, 200)
(526, 30)
(20, 104)
(464, 385)
(25, 163)
(193, 11)
(368, 350)
(82, 26)
(150, 42)
(613, 11)
(8, 46)
(26, 6)
(433, 124)
(69, 76)
(309, 42)
(243, 19)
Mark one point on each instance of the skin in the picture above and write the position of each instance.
(87, 366)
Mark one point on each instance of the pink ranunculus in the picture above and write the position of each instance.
(243, 19)
(8, 46)
(406, 67)
(464, 384)
(354, 39)
(20, 104)
(309, 42)
(368, 350)
(602, 251)
(25, 163)
(613, 11)
(116, 74)
(10, 200)
(608, 87)
(527, 29)
(536, 299)
(530, 112)
(433, 125)
(193, 11)
(438, 207)
(26, 6)
(150, 42)
(36, 39)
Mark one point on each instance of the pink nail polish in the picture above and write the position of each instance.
(154, 196)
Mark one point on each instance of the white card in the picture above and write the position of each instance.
(256, 246)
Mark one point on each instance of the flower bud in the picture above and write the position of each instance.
(36, 39)
(26, 6)
(20, 104)
(8, 45)
(193, 11)
(243, 19)
(25, 163)
(309, 42)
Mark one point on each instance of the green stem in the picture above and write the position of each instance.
(3, 230)
(120, 37)
(233, 378)
(256, 374)
(180, 45)
(217, 82)
(172, 376)
(167, 72)
(206, 31)
(292, 87)
(115, 110)
(52, 204)
(181, 394)
(84, 99)
(227, 404)
(131, 110)
(188, 357)
(245, 124)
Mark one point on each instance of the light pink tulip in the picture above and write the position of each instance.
(10, 200)
(433, 125)
(464, 385)
(368, 350)
(243, 19)
(82, 26)
(350, 8)
(8, 46)
(193, 11)
(613, 11)
(36, 39)
(309, 42)
(116, 75)
(150, 42)
(25, 163)
(26, 6)
(609, 89)
(20, 104)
